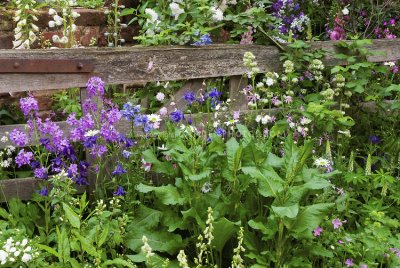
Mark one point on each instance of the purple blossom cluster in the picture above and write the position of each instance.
(29, 106)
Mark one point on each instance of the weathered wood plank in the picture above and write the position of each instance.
(238, 99)
(132, 65)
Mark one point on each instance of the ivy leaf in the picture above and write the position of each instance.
(288, 211)
(72, 217)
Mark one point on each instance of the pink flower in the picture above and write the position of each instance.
(337, 223)
(160, 96)
(349, 262)
(317, 231)
(163, 111)
(236, 115)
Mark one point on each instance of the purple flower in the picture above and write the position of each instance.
(214, 93)
(72, 170)
(81, 180)
(317, 231)
(337, 223)
(28, 105)
(363, 265)
(220, 132)
(23, 158)
(95, 86)
(190, 97)
(18, 137)
(349, 262)
(40, 173)
(44, 191)
(57, 164)
(374, 139)
(119, 170)
(90, 141)
(126, 154)
(177, 116)
(130, 111)
(98, 150)
(120, 191)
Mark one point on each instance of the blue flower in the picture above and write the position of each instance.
(126, 154)
(120, 191)
(90, 141)
(214, 93)
(190, 97)
(119, 170)
(140, 120)
(205, 40)
(81, 181)
(220, 132)
(177, 116)
(128, 111)
(44, 191)
(374, 139)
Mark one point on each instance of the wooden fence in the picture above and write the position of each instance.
(139, 65)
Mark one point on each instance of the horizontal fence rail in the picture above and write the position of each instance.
(131, 65)
(138, 65)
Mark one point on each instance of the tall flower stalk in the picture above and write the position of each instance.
(26, 30)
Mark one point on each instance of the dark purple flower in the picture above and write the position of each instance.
(18, 137)
(80, 180)
(374, 139)
(34, 164)
(23, 158)
(90, 141)
(190, 121)
(95, 86)
(177, 116)
(44, 191)
(190, 97)
(28, 105)
(57, 164)
(41, 173)
(72, 170)
(119, 170)
(120, 191)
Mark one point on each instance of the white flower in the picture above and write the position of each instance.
(266, 119)
(389, 63)
(4, 139)
(176, 10)
(160, 96)
(26, 257)
(163, 111)
(345, 11)
(56, 38)
(52, 12)
(91, 133)
(162, 148)
(75, 14)
(5, 164)
(64, 40)
(153, 15)
(269, 82)
(217, 14)
(207, 187)
(24, 242)
(154, 118)
(321, 162)
(3, 257)
(258, 118)
(305, 121)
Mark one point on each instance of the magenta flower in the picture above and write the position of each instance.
(317, 231)
(349, 262)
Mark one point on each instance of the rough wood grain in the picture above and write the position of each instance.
(132, 65)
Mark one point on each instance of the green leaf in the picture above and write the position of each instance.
(223, 231)
(157, 165)
(147, 217)
(167, 194)
(86, 244)
(72, 217)
(269, 182)
(233, 154)
(161, 241)
(289, 211)
(48, 249)
(103, 236)
(118, 261)
(309, 218)
(246, 135)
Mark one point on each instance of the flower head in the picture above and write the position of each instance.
(95, 86)
(18, 137)
(349, 262)
(337, 223)
(119, 170)
(28, 105)
(374, 139)
(120, 191)
(23, 158)
(177, 116)
(317, 231)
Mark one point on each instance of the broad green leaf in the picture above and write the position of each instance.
(146, 217)
(309, 218)
(269, 183)
(103, 236)
(274, 161)
(223, 231)
(157, 165)
(161, 241)
(233, 154)
(167, 194)
(247, 137)
(289, 211)
(319, 250)
(71, 216)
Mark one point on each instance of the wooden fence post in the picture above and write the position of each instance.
(238, 99)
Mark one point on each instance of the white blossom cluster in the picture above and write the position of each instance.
(250, 62)
(176, 10)
(13, 252)
(66, 21)
(316, 67)
(25, 32)
(5, 156)
(216, 14)
(152, 19)
(300, 23)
